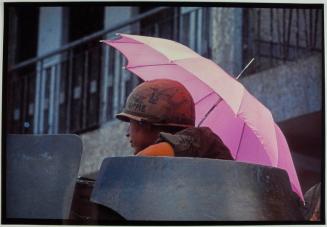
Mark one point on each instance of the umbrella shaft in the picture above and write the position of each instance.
(244, 68)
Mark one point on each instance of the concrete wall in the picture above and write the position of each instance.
(108, 141)
(289, 90)
(226, 41)
(51, 29)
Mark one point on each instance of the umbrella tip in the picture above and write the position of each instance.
(117, 36)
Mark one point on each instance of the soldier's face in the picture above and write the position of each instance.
(141, 135)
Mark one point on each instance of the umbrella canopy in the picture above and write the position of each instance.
(244, 124)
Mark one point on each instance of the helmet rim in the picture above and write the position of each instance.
(161, 102)
(127, 117)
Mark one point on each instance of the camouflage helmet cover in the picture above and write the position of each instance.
(161, 102)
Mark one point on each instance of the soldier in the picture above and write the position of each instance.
(161, 114)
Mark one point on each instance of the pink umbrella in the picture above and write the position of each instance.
(244, 124)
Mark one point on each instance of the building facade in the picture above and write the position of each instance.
(61, 79)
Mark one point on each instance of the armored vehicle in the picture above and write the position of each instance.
(42, 182)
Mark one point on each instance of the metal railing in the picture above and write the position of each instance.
(278, 35)
(82, 85)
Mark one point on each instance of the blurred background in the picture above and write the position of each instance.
(58, 77)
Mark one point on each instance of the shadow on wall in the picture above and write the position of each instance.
(304, 137)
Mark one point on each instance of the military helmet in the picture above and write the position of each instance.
(161, 102)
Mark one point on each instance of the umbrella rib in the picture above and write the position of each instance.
(113, 41)
(204, 97)
(210, 110)
(239, 144)
(139, 66)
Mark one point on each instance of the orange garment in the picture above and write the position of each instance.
(159, 149)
